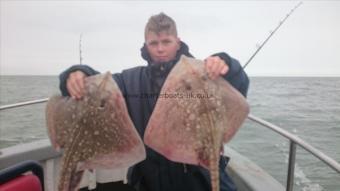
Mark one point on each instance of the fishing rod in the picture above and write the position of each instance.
(80, 51)
(81, 60)
(36, 101)
(271, 34)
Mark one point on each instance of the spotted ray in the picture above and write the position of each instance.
(95, 132)
(194, 116)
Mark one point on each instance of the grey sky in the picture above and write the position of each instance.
(41, 37)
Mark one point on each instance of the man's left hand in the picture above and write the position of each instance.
(215, 67)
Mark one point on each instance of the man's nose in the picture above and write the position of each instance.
(160, 47)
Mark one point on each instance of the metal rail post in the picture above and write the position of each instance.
(291, 166)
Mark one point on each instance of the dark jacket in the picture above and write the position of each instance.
(157, 173)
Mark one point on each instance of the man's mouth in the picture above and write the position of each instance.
(162, 58)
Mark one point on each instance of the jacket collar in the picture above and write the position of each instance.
(162, 69)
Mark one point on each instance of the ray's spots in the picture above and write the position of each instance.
(92, 137)
(197, 125)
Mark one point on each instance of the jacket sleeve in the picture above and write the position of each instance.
(64, 76)
(118, 78)
(236, 75)
(89, 72)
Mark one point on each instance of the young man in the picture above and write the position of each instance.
(162, 49)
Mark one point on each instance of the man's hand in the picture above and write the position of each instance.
(75, 84)
(215, 67)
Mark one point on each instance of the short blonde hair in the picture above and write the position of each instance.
(161, 23)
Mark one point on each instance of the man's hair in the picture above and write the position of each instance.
(161, 23)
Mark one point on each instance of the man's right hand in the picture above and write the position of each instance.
(75, 84)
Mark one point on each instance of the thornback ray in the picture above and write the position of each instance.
(194, 116)
(95, 132)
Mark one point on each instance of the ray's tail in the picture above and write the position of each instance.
(69, 177)
(214, 173)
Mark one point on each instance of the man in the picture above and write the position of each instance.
(162, 49)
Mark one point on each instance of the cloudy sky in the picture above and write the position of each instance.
(41, 37)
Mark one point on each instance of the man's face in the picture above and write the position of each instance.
(162, 47)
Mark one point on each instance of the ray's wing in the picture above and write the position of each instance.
(61, 113)
(191, 126)
(100, 133)
(110, 135)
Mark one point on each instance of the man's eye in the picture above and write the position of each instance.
(153, 43)
(166, 42)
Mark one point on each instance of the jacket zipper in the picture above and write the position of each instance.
(185, 168)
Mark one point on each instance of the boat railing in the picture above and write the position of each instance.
(294, 141)
(20, 104)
